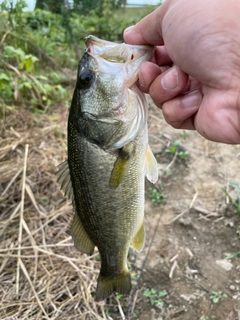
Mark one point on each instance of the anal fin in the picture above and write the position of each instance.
(139, 239)
(81, 239)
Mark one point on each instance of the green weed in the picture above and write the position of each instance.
(156, 196)
(234, 203)
(178, 150)
(216, 296)
(232, 255)
(156, 299)
(184, 134)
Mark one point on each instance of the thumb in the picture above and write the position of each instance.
(148, 30)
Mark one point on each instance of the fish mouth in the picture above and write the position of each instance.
(119, 54)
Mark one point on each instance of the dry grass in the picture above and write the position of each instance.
(42, 276)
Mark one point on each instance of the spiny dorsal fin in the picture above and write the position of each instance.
(122, 164)
(139, 239)
(151, 166)
(64, 179)
(82, 242)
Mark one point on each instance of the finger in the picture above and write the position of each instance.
(180, 111)
(147, 30)
(218, 117)
(167, 85)
(147, 73)
(161, 57)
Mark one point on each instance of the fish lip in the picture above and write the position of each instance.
(112, 57)
(117, 52)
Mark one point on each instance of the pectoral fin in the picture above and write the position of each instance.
(139, 239)
(80, 237)
(151, 166)
(121, 165)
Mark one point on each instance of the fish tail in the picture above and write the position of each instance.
(120, 283)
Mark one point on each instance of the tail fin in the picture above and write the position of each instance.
(107, 285)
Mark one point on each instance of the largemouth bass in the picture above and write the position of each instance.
(108, 158)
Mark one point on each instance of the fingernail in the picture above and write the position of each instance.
(140, 80)
(192, 99)
(128, 29)
(170, 79)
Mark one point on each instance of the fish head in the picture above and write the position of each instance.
(106, 71)
(106, 89)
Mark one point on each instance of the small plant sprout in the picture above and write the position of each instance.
(156, 196)
(178, 150)
(216, 296)
(234, 203)
(156, 299)
(184, 134)
(118, 295)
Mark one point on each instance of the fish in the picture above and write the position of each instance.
(108, 159)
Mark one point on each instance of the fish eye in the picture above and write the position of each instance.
(85, 79)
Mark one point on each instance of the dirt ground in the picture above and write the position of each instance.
(192, 233)
(189, 235)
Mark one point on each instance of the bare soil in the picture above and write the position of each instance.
(189, 234)
(194, 231)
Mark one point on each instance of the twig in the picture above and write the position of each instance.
(184, 211)
(21, 264)
(174, 258)
(120, 308)
(21, 217)
(174, 265)
(204, 211)
(172, 162)
(10, 219)
(11, 182)
(31, 196)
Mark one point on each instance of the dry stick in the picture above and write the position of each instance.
(174, 265)
(31, 196)
(41, 246)
(21, 217)
(184, 211)
(11, 182)
(25, 226)
(172, 162)
(227, 190)
(9, 220)
(21, 264)
(120, 309)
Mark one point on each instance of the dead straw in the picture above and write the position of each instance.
(21, 216)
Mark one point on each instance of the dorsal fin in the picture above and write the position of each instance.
(64, 179)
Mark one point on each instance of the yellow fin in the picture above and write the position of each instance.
(64, 179)
(139, 239)
(120, 283)
(121, 165)
(80, 237)
(151, 166)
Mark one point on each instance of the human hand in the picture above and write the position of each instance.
(194, 75)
